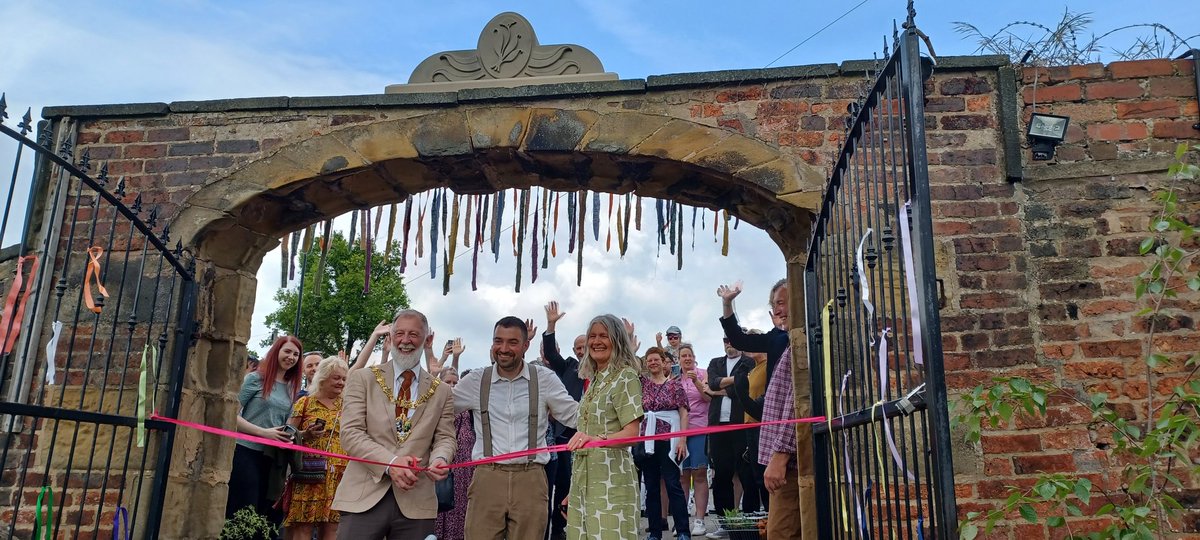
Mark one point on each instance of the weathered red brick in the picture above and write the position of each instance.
(1050, 94)
(1118, 132)
(988, 300)
(1171, 87)
(1114, 89)
(124, 136)
(966, 121)
(777, 108)
(1076, 371)
(945, 104)
(1139, 69)
(740, 94)
(966, 85)
(168, 134)
(1162, 108)
(1118, 348)
(1010, 443)
(808, 139)
(1061, 351)
(1107, 306)
(142, 151)
(1176, 130)
(984, 263)
(979, 103)
(1050, 463)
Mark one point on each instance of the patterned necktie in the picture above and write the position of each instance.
(404, 395)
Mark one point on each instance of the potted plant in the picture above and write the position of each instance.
(744, 525)
(246, 524)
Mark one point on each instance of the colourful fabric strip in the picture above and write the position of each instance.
(368, 247)
(453, 243)
(391, 233)
(434, 222)
(910, 279)
(864, 284)
(883, 385)
(582, 233)
(519, 231)
(92, 275)
(52, 350)
(14, 304)
(143, 386)
(571, 223)
(405, 229)
(121, 522)
(596, 216)
(628, 209)
(43, 519)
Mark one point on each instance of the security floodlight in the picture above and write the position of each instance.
(1045, 132)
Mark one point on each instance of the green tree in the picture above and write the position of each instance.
(335, 314)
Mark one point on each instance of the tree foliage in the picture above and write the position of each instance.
(335, 313)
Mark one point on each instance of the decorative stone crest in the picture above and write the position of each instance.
(508, 54)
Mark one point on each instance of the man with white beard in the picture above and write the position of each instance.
(399, 414)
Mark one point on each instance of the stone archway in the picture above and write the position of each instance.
(232, 222)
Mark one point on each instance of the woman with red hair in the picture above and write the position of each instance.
(266, 399)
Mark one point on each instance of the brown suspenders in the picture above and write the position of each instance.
(485, 389)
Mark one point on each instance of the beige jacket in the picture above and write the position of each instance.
(369, 431)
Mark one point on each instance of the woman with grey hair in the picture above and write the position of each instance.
(603, 503)
(315, 416)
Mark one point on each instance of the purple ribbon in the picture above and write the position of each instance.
(910, 278)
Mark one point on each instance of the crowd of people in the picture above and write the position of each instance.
(420, 418)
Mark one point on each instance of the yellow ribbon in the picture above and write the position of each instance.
(827, 352)
(143, 383)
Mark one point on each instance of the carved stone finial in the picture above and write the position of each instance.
(508, 54)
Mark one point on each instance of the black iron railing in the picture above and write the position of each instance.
(883, 463)
(81, 368)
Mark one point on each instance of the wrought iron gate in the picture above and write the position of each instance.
(883, 465)
(95, 335)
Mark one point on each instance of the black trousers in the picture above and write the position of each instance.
(248, 484)
(558, 476)
(726, 457)
(657, 467)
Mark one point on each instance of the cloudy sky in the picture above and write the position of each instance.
(86, 52)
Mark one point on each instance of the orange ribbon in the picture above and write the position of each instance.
(93, 274)
(14, 311)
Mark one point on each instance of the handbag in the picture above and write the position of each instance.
(308, 468)
(445, 493)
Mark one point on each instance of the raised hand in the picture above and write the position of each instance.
(553, 314)
(384, 328)
(729, 292)
(531, 329)
(457, 348)
(658, 339)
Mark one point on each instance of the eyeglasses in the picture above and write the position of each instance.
(673, 336)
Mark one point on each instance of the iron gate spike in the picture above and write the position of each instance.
(3, 107)
(26, 123)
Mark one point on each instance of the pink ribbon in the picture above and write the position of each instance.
(502, 457)
(883, 385)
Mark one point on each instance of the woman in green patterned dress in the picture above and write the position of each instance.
(603, 503)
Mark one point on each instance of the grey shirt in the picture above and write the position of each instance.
(265, 413)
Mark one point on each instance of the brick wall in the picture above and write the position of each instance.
(1042, 276)
(1037, 274)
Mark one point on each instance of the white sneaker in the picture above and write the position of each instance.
(698, 527)
(719, 533)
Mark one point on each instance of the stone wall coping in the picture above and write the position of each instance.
(474, 95)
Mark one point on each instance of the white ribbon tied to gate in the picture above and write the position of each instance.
(863, 285)
(846, 453)
(52, 350)
(910, 278)
(883, 385)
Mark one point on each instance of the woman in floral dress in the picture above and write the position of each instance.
(603, 504)
(450, 524)
(665, 404)
(316, 416)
